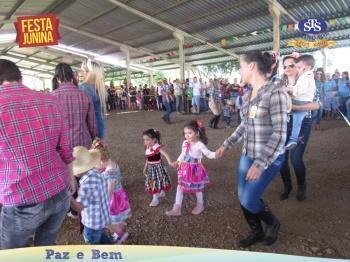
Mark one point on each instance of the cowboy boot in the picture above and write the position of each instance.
(216, 121)
(211, 122)
(301, 193)
(286, 191)
(256, 234)
(272, 225)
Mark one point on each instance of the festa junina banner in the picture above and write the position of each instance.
(40, 30)
(145, 253)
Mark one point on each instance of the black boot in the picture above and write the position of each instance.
(272, 226)
(211, 122)
(256, 234)
(286, 191)
(301, 194)
(216, 122)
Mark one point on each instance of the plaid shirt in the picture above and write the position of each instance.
(93, 195)
(78, 110)
(34, 149)
(264, 135)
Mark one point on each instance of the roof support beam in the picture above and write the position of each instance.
(12, 11)
(276, 15)
(113, 42)
(278, 6)
(169, 27)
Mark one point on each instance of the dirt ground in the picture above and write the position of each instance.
(319, 226)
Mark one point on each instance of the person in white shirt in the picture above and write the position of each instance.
(196, 95)
(302, 93)
(159, 96)
(203, 102)
(178, 92)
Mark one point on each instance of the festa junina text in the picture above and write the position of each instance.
(95, 254)
(37, 30)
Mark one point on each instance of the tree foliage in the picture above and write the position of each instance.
(219, 69)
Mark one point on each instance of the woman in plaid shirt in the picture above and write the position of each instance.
(263, 131)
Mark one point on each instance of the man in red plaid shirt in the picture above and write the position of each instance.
(35, 157)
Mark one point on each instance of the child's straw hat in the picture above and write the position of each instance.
(85, 159)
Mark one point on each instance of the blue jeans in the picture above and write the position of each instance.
(227, 120)
(297, 154)
(317, 115)
(348, 109)
(297, 121)
(250, 192)
(167, 106)
(92, 236)
(196, 101)
(178, 103)
(42, 220)
(203, 104)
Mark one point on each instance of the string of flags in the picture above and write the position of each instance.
(228, 41)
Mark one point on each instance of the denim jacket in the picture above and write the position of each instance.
(90, 89)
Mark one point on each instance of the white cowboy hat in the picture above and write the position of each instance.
(229, 102)
(85, 159)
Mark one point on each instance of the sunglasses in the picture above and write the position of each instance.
(289, 66)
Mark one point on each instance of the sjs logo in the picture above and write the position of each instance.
(312, 26)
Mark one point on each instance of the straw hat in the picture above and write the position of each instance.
(85, 159)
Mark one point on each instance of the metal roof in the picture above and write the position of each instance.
(206, 19)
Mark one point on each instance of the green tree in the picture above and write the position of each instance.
(111, 84)
(159, 76)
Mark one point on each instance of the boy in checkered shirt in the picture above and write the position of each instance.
(92, 200)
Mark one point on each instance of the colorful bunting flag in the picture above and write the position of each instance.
(332, 22)
(223, 42)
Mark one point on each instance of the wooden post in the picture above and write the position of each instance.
(324, 60)
(275, 13)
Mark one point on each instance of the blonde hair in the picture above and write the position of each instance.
(96, 78)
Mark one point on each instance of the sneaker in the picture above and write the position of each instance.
(176, 211)
(115, 237)
(69, 214)
(161, 194)
(122, 238)
(154, 203)
(290, 145)
(199, 208)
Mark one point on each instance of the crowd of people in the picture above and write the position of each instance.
(54, 158)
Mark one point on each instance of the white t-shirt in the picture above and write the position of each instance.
(159, 90)
(196, 89)
(177, 89)
(305, 87)
(197, 150)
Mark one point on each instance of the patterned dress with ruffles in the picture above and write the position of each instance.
(156, 177)
(119, 206)
(192, 176)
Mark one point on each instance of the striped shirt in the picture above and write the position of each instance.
(93, 195)
(78, 111)
(264, 133)
(34, 147)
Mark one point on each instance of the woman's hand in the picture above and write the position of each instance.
(253, 174)
(219, 152)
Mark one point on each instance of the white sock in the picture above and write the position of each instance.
(179, 196)
(199, 196)
(155, 197)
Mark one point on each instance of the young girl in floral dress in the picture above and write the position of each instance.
(119, 206)
(192, 176)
